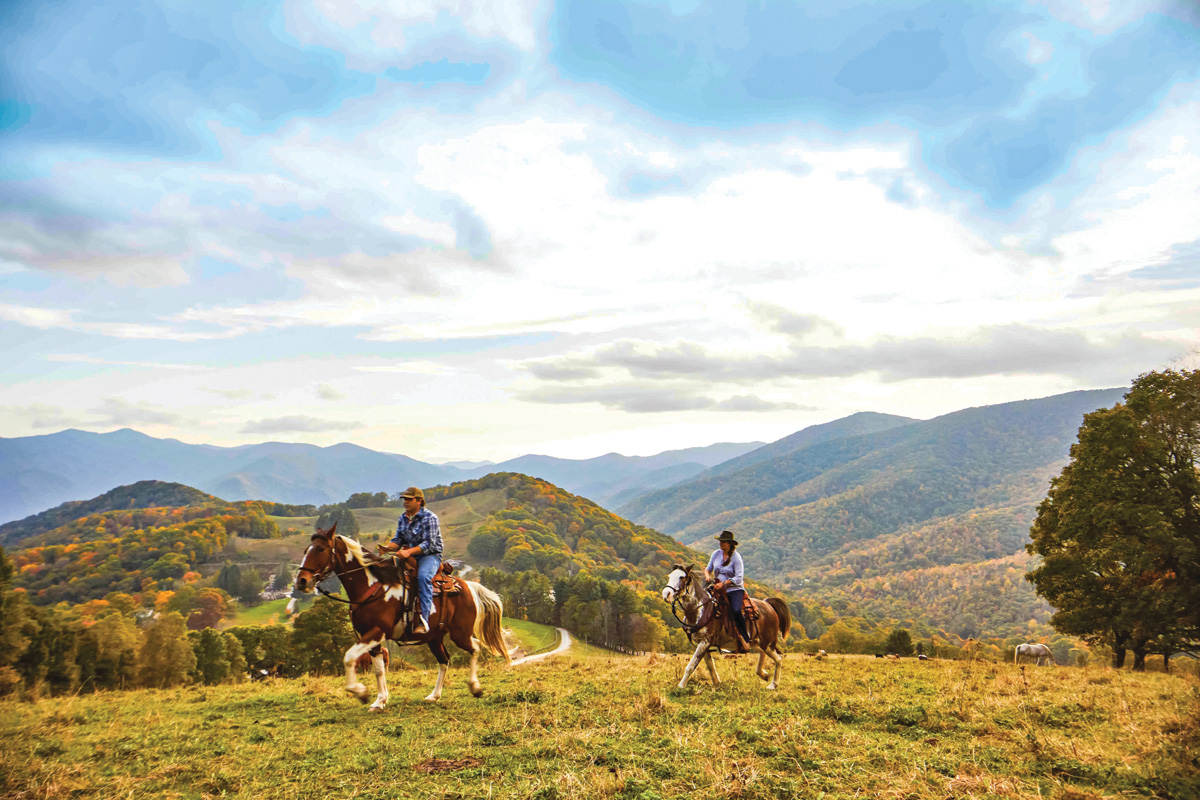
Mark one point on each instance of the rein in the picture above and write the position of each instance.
(688, 627)
(317, 580)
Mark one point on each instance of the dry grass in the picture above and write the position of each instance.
(617, 727)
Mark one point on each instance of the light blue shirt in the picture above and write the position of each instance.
(731, 572)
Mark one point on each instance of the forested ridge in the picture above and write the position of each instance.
(130, 551)
(550, 530)
(143, 494)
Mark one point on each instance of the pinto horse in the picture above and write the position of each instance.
(704, 628)
(379, 593)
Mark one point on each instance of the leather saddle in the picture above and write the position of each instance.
(443, 582)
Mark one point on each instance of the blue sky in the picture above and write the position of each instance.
(473, 230)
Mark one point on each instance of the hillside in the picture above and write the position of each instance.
(578, 728)
(512, 522)
(538, 526)
(839, 518)
(143, 494)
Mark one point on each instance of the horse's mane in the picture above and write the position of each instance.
(382, 568)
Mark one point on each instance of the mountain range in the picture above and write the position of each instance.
(40, 472)
(924, 518)
(873, 516)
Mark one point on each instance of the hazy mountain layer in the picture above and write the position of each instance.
(40, 472)
(793, 511)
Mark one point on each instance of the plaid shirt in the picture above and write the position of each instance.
(421, 530)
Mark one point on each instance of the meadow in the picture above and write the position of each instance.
(585, 727)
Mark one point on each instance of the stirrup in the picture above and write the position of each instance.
(420, 626)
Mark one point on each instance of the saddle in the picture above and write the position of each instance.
(749, 610)
(443, 581)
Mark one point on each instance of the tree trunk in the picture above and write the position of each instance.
(1139, 660)
(1118, 657)
(1167, 663)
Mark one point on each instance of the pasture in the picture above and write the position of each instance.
(576, 727)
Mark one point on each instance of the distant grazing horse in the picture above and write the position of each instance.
(774, 622)
(1039, 652)
(379, 592)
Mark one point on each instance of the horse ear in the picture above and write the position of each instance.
(333, 530)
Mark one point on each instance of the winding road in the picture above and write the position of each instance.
(563, 643)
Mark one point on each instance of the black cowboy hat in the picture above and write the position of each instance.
(726, 536)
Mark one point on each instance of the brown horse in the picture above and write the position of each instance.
(379, 591)
(709, 632)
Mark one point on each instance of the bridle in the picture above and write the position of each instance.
(319, 577)
(684, 585)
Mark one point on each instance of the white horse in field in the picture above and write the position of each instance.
(1038, 652)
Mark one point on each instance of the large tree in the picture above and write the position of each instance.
(1119, 532)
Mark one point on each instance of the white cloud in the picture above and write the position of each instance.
(298, 423)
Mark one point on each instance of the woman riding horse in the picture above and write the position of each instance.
(724, 572)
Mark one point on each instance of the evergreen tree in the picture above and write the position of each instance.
(347, 525)
(13, 636)
(250, 591)
(230, 578)
(212, 660)
(899, 641)
(283, 577)
(235, 657)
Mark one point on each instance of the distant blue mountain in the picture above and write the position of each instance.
(41, 472)
(614, 478)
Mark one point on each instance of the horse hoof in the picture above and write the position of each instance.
(361, 697)
(375, 710)
(477, 691)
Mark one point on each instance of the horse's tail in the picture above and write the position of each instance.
(489, 609)
(785, 616)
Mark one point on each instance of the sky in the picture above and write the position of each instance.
(474, 230)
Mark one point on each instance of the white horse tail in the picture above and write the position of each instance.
(489, 609)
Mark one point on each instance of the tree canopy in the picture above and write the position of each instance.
(1119, 532)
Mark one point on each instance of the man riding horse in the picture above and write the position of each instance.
(418, 535)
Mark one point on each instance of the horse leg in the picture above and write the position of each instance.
(438, 648)
(777, 657)
(712, 668)
(381, 697)
(353, 685)
(466, 641)
(691, 667)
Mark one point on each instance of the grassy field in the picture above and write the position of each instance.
(615, 727)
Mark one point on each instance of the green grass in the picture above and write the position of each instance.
(533, 636)
(616, 728)
(271, 612)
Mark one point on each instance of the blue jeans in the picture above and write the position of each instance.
(735, 608)
(427, 567)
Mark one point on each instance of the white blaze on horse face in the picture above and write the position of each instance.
(674, 581)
